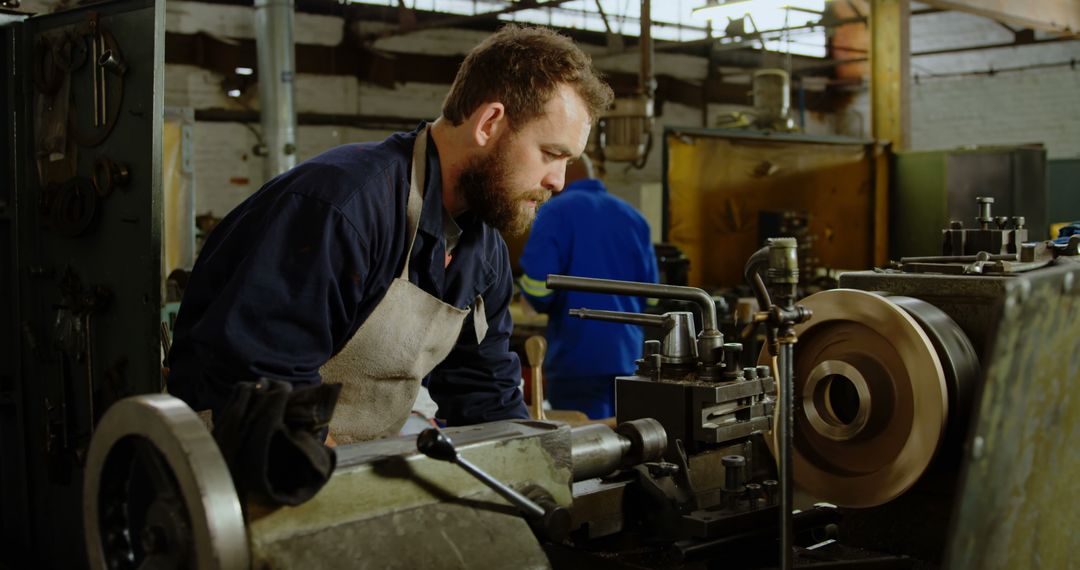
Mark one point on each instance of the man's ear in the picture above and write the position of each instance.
(490, 123)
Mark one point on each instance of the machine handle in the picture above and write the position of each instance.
(436, 445)
(658, 291)
(536, 349)
(625, 318)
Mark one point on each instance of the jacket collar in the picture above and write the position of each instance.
(431, 225)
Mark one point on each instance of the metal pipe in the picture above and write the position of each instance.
(646, 84)
(958, 258)
(658, 291)
(755, 266)
(624, 318)
(277, 69)
(786, 430)
(783, 275)
(461, 21)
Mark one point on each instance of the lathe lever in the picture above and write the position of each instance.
(434, 444)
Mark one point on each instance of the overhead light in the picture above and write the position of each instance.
(245, 71)
(233, 93)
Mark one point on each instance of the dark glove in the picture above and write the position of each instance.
(272, 439)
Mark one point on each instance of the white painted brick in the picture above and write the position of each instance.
(239, 21)
(227, 171)
(407, 100)
(1038, 105)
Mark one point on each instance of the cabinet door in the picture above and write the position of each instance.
(81, 247)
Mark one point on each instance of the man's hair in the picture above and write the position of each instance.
(522, 67)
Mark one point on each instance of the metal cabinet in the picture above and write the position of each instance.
(80, 254)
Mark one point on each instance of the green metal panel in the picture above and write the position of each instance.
(1019, 489)
(917, 200)
(1015, 491)
(1063, 181)
(932, 188)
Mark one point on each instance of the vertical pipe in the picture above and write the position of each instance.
(787, 426)
(802, 105)
(784, 279)
(645, 79)
(277, 68)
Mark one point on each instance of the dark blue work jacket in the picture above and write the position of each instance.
(587, 232)
(288, 276)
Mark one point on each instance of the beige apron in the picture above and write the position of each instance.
(407, 334)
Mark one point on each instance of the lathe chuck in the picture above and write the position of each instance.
(877, 381)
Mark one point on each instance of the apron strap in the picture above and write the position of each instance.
(416, 194)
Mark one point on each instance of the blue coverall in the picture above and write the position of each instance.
(288, 276)
(587, 232)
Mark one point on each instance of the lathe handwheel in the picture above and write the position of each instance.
(157, 492)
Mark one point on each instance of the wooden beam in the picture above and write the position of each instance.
(890, 52)
(1061, 16)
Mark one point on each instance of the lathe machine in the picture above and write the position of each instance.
(930, 419)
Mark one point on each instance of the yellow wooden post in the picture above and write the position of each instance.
(889, 77)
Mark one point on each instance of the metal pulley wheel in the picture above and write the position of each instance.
(157, 492)
(876, 379)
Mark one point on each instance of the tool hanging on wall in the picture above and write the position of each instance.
(56, 55)
(71, 407)
(68, 209)
(109, 175)
(69, 201)
(106, 61)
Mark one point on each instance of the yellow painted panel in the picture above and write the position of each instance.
(718, 186)
(170, 168)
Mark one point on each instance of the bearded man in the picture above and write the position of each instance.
(377, 265)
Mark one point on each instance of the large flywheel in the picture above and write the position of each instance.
(876, 380)
(158, 494)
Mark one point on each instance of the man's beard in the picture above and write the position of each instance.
(485, 184)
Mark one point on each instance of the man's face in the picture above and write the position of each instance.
(506, 186)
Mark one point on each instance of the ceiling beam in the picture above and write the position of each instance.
(1060, 16)
(390, 69)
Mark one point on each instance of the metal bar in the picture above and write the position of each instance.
(520, 501)
(458, 20)
(94, 72)
(590, 285)
(645, 79)
(1011, 44)
(101, 85)
(603, 16)
(957, 258)
(1047, 15)
(786, 431)
(625, 318)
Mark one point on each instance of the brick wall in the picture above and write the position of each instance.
(955, 102)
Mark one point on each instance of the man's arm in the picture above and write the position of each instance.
(479, 382)
(546, 252)
(291, 297)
